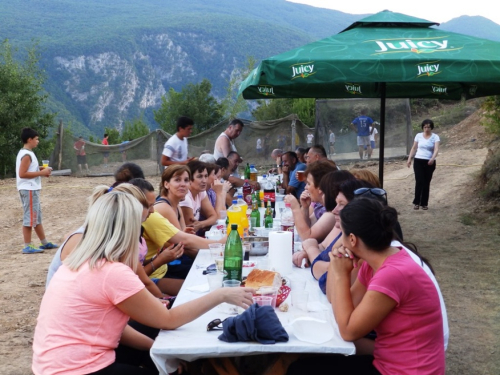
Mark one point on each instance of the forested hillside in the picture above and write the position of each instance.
(107, 62)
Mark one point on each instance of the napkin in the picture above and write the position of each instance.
(312, 330)
(257, 323)
(202, 288)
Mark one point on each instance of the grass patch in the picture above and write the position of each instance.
(467, 219)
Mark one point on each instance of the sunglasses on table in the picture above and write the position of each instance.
(215, 325)
(377, 192)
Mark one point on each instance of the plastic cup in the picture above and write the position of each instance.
(299, 294)
(263, 301)
(281, 191)
(219, 263)
(216, 250)
(223, 215)
(231, 283)
(45, 163)
(269, 291)
(247, 246)
(301, 176)
(215, 279)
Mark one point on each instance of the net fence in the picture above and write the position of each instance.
(336, 115)
(147, 150)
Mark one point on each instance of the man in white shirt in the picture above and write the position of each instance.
(332, 142)
(373, 139)
(225, 142)
(175, 150)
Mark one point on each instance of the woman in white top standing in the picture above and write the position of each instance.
(425, 149)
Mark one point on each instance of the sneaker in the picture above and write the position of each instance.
(48, 245)
(30, 249)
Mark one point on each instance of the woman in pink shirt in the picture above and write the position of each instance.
(85, 309)
(392, 295)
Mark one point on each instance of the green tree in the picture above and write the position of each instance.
(194, 101)
(134, 129)
(22, 104)
(277, 108)
(233, 104)
(114, 137)
(492, 115)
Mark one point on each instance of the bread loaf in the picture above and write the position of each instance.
(259, 278)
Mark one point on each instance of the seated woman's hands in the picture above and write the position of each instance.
(305, 199)
(298, 257)
(169, 253)
(342, 260)
(189, 230)
(294, 203)
(241, 297)
(221, 187)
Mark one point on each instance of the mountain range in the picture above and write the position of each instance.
(109, 62)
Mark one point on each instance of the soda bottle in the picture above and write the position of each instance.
(253, 173)
(257, 196)
(268, 221)
(245, 214)
(269, 192)
(247, 192)
(247, 172)
(255, 215)
(287, 221)
(234, 215)
(233, 255)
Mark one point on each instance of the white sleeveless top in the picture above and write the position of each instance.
(217, 153)
(28, 183)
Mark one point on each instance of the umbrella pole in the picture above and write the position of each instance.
(382, 135)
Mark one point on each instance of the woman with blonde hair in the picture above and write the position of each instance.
(85, 309)
(366, 175)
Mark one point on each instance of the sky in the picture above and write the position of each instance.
(436, 10)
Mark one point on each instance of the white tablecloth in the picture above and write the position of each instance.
(192, 341)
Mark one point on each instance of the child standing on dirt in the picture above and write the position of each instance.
(29, 184)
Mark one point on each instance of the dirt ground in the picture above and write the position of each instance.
(459, 234)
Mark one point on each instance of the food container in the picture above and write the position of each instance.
(260, 245)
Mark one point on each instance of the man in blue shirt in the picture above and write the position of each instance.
(290, 166)
(361, 125)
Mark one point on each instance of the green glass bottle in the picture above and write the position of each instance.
(268, 220)
(255, 215)
(247, 172)
(233, 255)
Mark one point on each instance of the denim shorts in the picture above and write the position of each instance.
(32, 213)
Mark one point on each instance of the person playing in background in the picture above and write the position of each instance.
(332, 142)
(425, 149)
(258, 147)
(81, 156)
(291, 166)
(225, 142)
(310, 138)
(361, 125)
(123, 150)
(105, 154)
(175, 150)
(373, 140)
(29, 184)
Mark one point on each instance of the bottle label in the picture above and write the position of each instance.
(270, 196)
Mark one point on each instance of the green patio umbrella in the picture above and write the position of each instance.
(386, 55)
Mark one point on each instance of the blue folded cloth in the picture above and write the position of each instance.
(257, 323)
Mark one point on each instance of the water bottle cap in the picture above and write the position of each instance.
(251, 165)
(240, 196)
(264, 175)
(235, 201)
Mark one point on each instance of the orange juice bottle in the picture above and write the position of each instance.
(245, 223)
(234, 214)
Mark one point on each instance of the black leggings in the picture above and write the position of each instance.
(423, 176)
(334, 364)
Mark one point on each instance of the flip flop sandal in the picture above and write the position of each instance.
(416, 207)
(425, 208)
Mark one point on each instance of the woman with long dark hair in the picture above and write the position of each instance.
(425, 149)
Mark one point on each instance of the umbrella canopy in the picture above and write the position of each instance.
(386, 55)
